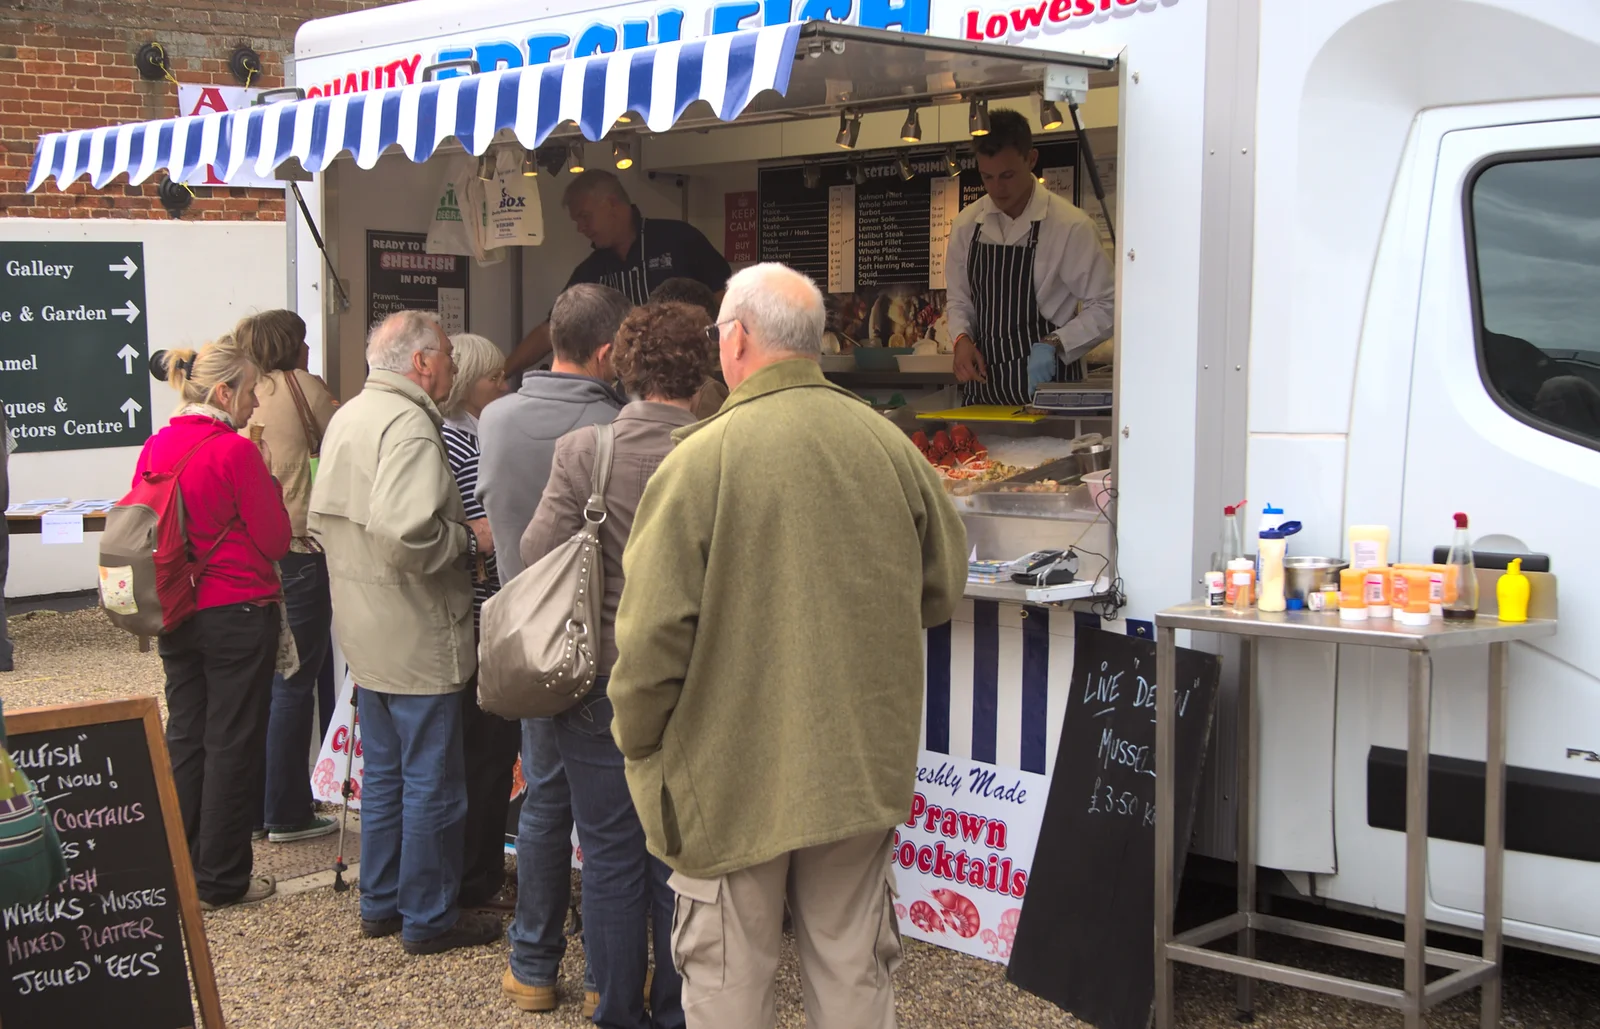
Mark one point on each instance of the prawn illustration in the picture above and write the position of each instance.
(323, 781)
(924, 917)
(960, 913)
(1000, 942)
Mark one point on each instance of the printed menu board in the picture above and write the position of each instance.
(861, 225)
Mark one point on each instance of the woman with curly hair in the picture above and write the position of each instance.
(663, 357)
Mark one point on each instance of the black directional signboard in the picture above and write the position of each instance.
(72, 345)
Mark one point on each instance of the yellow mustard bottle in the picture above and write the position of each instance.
(1512, 593)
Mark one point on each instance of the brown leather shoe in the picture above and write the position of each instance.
(591, 1001)
(530, 998)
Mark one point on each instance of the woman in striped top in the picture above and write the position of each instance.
(490, 743)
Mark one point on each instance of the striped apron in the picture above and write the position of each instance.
(632, 282)
(1007, 320)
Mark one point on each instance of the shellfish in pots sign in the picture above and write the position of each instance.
(962, 858)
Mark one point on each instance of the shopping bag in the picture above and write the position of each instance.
(327, 777)
(515, 217)
(449, 232)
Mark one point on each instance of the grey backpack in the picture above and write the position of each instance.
(541, 632)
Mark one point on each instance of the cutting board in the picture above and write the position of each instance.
(982, 413)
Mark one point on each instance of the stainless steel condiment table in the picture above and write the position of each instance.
(1418, 995)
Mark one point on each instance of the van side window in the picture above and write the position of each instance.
(1534, 234)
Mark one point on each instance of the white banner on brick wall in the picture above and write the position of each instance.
(196, 100)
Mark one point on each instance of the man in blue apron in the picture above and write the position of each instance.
(632, 254)
(1024, 269)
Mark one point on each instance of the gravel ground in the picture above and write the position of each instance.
(300, 960)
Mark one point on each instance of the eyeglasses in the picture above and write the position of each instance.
(714, 332)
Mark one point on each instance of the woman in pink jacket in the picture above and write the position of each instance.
(219, 664)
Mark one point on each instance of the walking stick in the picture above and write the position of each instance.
(346, 790)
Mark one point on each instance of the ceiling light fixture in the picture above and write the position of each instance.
(978, 118)
(859, 173)
(1050, 115)
(622, 154)
(530, 164)
(552, 159)
(950, 162)
(911, 131)
(849, 130)
(811, 175)
(575, 153)
(905, 168)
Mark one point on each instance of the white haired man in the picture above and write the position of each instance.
(386, 509)
(769, 689)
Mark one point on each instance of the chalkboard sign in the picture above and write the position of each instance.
(402, 276)
(1086, 937)
(73, 345)
(107, 946)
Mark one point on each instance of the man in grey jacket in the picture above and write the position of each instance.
(517, 438)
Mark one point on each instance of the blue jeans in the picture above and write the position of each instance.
(622, 882)
(305, 592)
(413, 808)
(544, 861)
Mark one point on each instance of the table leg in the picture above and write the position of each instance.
(1494, 831)
(1166, 761)
(1245, 817)
(1419, 690)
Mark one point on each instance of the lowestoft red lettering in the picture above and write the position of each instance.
(1029, 17)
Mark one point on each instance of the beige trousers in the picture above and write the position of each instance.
(726, 933)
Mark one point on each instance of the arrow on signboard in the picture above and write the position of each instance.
(127, 268)
(130, 312)
(129, 406)
(127, 353)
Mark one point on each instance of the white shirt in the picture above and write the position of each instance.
(1069, 268)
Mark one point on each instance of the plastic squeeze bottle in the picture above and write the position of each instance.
(1465, 603)
(1512, 593)
(1271, 547)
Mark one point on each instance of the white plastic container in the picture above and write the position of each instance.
(1272, 547)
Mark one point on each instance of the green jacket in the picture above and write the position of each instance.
(387, 511)
(784, 562)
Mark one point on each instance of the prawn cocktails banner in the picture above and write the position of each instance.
(962, 859)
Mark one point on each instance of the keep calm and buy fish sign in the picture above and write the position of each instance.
(115, 942)
(73, 345)
(1086, 938)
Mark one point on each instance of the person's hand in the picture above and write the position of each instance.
(265, 452)
(970, 366)
(480, 529)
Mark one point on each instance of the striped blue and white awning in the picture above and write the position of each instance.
(657, 83)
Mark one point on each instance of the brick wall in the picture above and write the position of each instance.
(68, 64)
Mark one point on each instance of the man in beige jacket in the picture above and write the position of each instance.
(784, 562)
(386, 510)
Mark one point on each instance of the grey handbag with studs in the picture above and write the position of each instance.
(541, 633)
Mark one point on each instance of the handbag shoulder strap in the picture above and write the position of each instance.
(594, 512)
(308, 423)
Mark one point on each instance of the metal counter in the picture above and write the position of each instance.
(1418, 995)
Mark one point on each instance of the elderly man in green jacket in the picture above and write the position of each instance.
(386, 510)
(784, 563)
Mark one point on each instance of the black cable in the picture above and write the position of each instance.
(311, 223)
(1094, 172)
